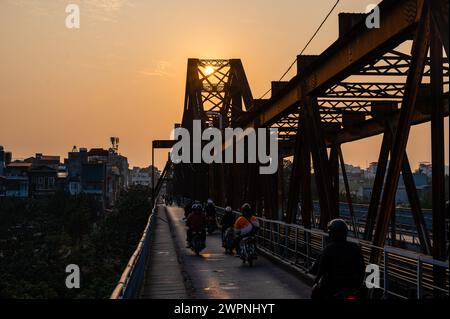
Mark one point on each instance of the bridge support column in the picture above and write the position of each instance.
(348, 194)
(437, 148)
(334, 170)
(378, 185)
(320, 159)
(280, 188)
(415, 72)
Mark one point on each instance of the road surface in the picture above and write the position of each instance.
(217, 275)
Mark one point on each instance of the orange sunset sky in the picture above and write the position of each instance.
(123, 72)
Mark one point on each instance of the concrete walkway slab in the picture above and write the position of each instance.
(164, 278)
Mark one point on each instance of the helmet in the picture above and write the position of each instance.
(246, 209)
(209, 201)
(197, 207)
(228, 209)
(337, 230)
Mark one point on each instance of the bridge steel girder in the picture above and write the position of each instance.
(419, 54)
(377, 185)
(347, 193)
(439, 13)
(334, 171)
(347, 55)
(320, 160)
(216, 92)
(295, 178)
(317, 91)
(437, 145)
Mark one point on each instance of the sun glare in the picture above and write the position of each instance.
(209, 70)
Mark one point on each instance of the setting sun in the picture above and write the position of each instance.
(209, 70)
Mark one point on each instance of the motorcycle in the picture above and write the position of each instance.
(247, 250)
(228, 240)
(211, 224)
(197, 243)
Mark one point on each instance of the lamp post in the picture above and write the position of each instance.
(158, 144)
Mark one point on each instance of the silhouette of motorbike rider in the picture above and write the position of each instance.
(340, 269)
(227, 222)
(196, 223)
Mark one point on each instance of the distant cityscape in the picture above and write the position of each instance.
(103, 173)
(97, 172)
(361, 182)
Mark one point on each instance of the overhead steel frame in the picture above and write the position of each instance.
(323, 107)
(362, 109)
(216, 93)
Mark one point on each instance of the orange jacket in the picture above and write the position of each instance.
(242, 225)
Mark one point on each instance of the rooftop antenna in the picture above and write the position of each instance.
(115, 144)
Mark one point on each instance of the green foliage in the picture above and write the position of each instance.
(40, 237)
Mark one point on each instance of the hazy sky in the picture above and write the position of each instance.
(123, 72)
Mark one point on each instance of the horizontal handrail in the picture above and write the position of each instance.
(127, 273)
(130, 281)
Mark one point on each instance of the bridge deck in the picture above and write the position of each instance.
(163, 279)
(217, 275)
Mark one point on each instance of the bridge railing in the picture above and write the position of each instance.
(132, 279)
(403, 274)
(130, 283)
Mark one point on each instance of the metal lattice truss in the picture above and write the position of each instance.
(394, 63)
(364, 84)
(215, 91)
(215, 79)
(360, 97)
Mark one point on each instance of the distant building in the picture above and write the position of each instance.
(143, 176)
(74, 165)
(44, 160)
(97, 172)
(15, 180)
(43, 180)
(364, 192)
(5, 159)
(426, 169)
(371, 171)
(2, 161)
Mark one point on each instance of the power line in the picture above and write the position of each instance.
(306, 46)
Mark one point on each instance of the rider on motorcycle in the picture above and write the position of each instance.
(228, 220)
(246, 225)
(196, 223)
(340, 268)
(210, 209)
(188, 209)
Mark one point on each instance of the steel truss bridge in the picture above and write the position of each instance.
(369, 82)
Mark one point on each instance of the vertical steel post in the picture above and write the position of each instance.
(415, 73)
(386, 272)
(378, 185)
(347, 192)
(419, 279)
(437, 156)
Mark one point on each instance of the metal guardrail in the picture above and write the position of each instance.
(404, 274)
(132, 279)
(130, 283)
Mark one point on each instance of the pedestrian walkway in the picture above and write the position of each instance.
(164, 278)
